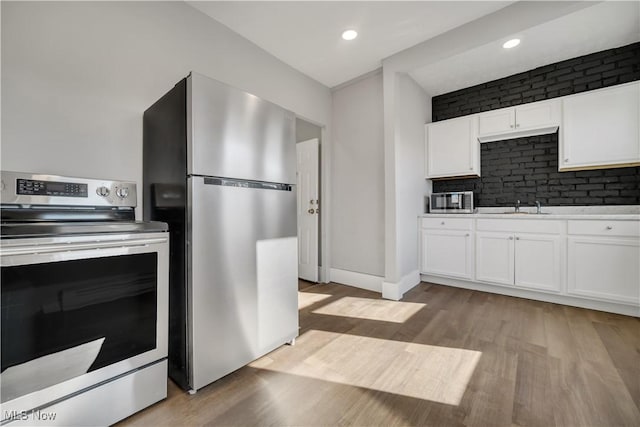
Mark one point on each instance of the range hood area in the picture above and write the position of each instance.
(536, 118)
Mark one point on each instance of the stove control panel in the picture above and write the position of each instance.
(18, 188)
(51, 188)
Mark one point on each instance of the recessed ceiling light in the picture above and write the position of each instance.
(349, 34)
(511, 43)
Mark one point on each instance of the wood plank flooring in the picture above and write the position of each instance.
(443, 356)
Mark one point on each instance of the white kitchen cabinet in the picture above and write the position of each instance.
(604, 268)
(535, 118)
(447, 253)
(446, 247)
(452, 148)
(526, 260)
(496, 122)
(494, 257)
(538, 262)
(601, 128)
(604, 260)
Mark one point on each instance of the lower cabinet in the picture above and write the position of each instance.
(604, 268)
(538, 262)
(525, 260)
(494, 257)
(576, 259)
(447, 253)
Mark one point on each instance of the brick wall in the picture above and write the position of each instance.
(527, 168)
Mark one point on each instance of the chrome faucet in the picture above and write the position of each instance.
(518, 206)
(538, 207)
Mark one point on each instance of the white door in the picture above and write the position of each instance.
(494, 257)
(447, 253)
(452, 147)
(601, 127)
(308, 209)
(538, 114)
(604, 268)
(497, 121)
(537, 262)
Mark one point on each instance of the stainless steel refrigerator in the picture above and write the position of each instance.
(219, 165)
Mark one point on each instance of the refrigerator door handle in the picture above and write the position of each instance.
(231, 182)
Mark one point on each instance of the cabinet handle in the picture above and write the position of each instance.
(517, 238)
(442, 223)
(517, 125)
(467, 235)
(609, 227)
(510, 237)
(511, 126)
(566, 160)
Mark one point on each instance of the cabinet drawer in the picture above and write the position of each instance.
(605, 228)
(517, 225)
(448, 223)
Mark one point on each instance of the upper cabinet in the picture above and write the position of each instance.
(601, 128)
(452, 148)
(536, 118)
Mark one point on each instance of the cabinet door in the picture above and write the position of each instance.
(452, 148)
(605, 268)
(601, 128)
(538, 115)
(494, 257)
(447, 253)
(497, 121)
(537, 262)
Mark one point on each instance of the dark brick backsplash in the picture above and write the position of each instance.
(526, 169)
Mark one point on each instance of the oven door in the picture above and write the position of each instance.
(78, 311)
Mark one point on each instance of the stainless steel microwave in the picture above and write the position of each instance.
(453, 202)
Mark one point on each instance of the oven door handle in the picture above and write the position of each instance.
(31, 249)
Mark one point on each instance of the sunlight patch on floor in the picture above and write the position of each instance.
(371, 309)
(434, 373)
(305, 299)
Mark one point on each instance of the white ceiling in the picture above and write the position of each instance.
(306, 35)
(603, 26)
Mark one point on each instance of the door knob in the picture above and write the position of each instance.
(310, 211)
(317, 211)
(311, 201)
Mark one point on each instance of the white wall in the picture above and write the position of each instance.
(357, 216)
(412, 111)
(407, 109)
(77, 76)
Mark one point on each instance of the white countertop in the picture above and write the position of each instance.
(629, 213)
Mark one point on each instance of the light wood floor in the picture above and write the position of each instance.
(442, 356)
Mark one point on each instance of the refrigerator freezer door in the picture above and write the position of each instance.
(237, 236)
(237, 135)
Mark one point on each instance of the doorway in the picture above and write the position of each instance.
(308, 140)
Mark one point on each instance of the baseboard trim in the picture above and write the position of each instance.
(357, 280)
(395, 290)
(610, 307)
